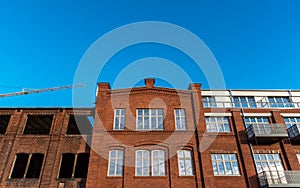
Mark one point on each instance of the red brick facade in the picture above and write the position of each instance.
(195, 139)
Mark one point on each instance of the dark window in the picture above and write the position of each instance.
(35, 166)
(79, 120)
(38, 124)
(25, 168)
(20, 165)
(4, 120)
(68, 162)
(66, 167)
(82, 165)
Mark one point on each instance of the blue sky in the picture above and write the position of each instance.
(256, 43)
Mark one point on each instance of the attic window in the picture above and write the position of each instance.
(4, 120)
(38, 124)
(79, 120)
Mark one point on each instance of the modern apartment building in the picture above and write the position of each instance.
(156, 137)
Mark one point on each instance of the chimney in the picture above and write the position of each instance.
(195, 86)
(103, 86)
(149, 82)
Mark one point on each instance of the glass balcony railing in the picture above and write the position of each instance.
(266, 130)
(220, 104)
(279, 179)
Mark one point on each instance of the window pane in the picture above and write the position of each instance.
(116, 163)
(225, 164)
(185, 163)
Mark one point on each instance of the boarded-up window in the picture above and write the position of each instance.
(38, 124)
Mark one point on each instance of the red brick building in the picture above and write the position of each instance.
(156, 137)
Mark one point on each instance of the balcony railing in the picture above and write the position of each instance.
(220, 104)
(266, 130)
(279, 179)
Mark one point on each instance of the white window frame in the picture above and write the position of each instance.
(118, 159)
(221, 160)
(185, 156)
(143, 159)
(217, 124)
(241, 104)
(119, 114)
(180, 115)
(290, 121)
(256, 121)
(158, 162)
(268, 160)
(280, 103)
(209, 101)
(158, 116)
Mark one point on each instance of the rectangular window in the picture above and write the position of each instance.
(35, 165)
(119, 119)
(244, 102)
(209, 101)
(271, 165)
(115, 163)
(142, 166)
(256, 120)
(82, 121)
(4, 120)
(74, 165)
(158, 163)
(225, 164)
(81, 167)
(38, 124)
(180, 120)
(185, 162)
(150, 119)
(217, 124)
(280, 102)
(27, 166)
(290, 121)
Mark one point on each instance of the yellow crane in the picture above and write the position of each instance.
(32, 91)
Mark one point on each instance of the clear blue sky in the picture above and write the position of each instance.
(256, 43)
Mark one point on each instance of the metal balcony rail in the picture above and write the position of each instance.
(294, 130)
(282, 178)
(226, 104)
(267, 130)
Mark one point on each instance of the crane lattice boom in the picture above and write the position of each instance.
(40, 90)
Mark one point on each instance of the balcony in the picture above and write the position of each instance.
(294, 133)
(266, 132)
(279, 179)
(228, 104)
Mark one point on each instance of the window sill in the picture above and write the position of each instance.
(117, 177)
(150, 177)
(227, 175)
(187, 176)
(69, 179)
